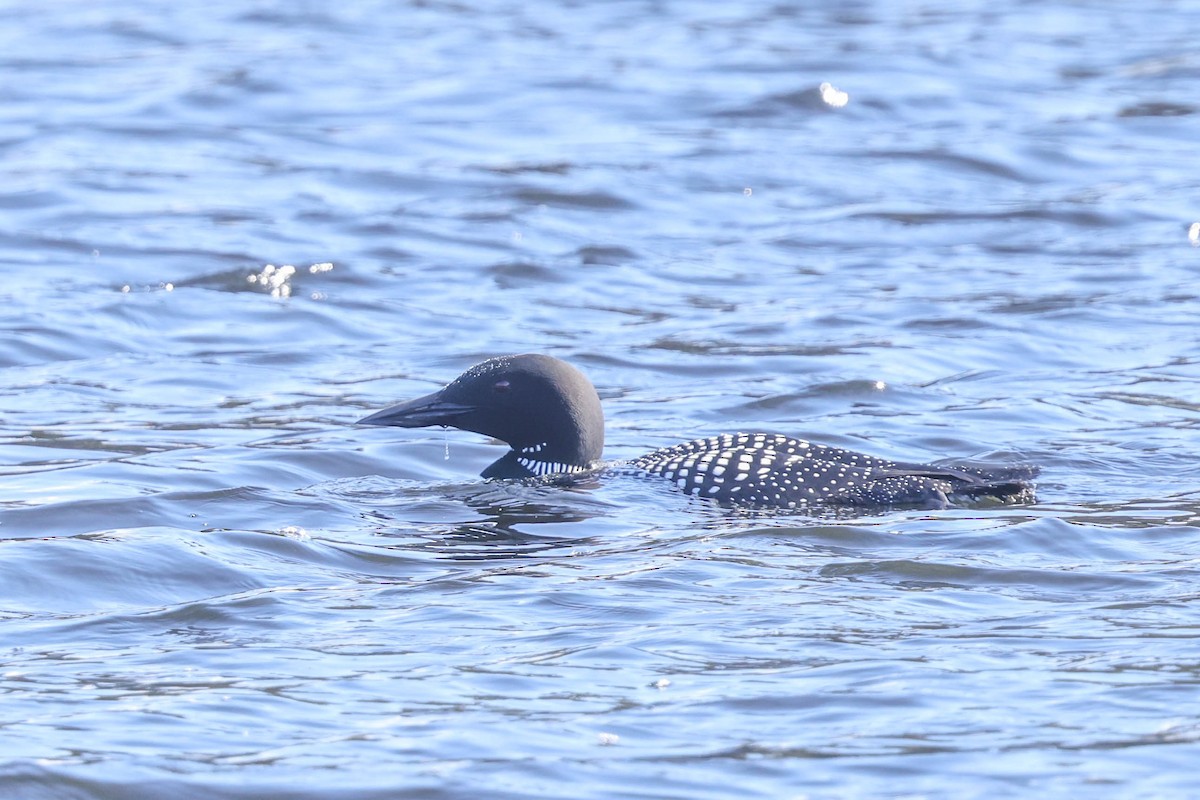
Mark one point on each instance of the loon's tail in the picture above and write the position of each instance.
(937, 486)
(1008, 484)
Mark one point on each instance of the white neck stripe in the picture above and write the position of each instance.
(540, 468)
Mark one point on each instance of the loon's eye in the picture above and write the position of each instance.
(500, 386)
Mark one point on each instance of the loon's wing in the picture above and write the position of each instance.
(778, 471)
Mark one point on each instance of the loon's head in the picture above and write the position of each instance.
(547, 411)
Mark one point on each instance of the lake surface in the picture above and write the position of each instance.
(920, 230)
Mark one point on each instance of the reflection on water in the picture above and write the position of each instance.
(935, 232)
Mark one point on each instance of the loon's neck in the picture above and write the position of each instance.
(532, 462)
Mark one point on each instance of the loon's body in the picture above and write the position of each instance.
(550, 415)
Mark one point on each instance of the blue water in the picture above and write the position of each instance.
(920, 230)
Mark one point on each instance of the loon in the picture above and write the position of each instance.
(549, 414)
